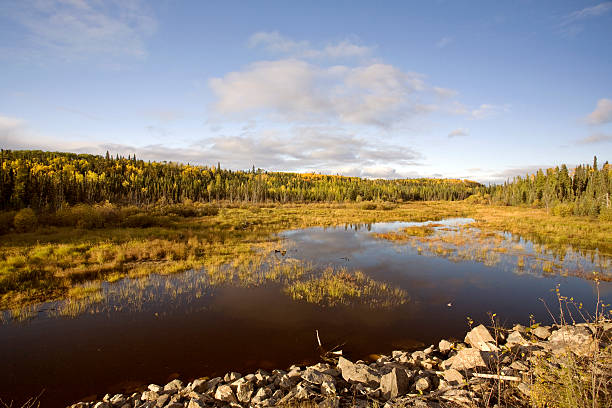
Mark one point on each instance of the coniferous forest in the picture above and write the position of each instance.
(51, 180)
(48, 180)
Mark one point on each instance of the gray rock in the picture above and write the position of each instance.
(423, 384)
(542, 332)
(244, 391)
(480, 338)
(287, 382)
(149, 396)
(516, 338)
(155, 388)
(577, 339)
(173, 386)
(453, 377)
(225, 393)
(328, 388)
(359, 373)
(118, 400)
(316, 377)
(161, 400)
(466, 359)
(394, 383)
(445, 346)
(211, 384)
(199, 385)
(196, 403)
(262, 394)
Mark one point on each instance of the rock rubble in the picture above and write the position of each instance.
(449, 375)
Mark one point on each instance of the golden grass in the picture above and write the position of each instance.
(47, 263)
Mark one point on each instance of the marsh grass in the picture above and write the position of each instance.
(44, 264)
(341, 287)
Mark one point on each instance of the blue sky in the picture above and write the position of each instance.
(480, 90)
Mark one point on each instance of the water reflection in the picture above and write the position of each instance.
(355, 287)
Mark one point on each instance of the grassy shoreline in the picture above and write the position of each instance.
(51, 261)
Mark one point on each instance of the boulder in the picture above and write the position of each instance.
(445, 346)
(162, 400)
(196, 403)
(453, 377)
(394, 383)
(480, 338)
(423, 384)
(155, 388)
(225, 393)
(199, 385)
(173, 386)
(316, 377)
(149, 396)
(262, 394)
(542, 332)
(577, 339)
(516, 338)
(244, 391)
(118, 400)
(328, 388)
(359, 373)
(466, 359)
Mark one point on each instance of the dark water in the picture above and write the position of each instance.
(183, 326)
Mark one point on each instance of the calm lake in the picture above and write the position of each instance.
(417, 290)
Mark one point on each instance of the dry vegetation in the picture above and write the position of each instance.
(83, 245)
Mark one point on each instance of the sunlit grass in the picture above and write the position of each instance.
(44, 265)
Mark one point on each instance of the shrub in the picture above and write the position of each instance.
(368, 206)
(25, 220)
(606, 214)
(208, 210)
(6, 221)
(563, 209)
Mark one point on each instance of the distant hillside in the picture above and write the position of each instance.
(47, 180)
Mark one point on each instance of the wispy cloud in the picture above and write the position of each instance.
(596, 138)
(459, 132)
(602, 113)
(573, 23)
(76, 30)
(277, 43)
(488, 110)
(444, 41)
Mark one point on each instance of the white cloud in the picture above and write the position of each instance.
(444, 41)
(307, 148)
(275, 42)
(75, 29)
(487, 110)
(459, 132)
(445, 92)
(378, 94)
(602, 113)
(596, 138)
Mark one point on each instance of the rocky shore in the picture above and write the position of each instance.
(489, 366)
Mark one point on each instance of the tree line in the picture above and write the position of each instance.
(50, 180)
(584, 190)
